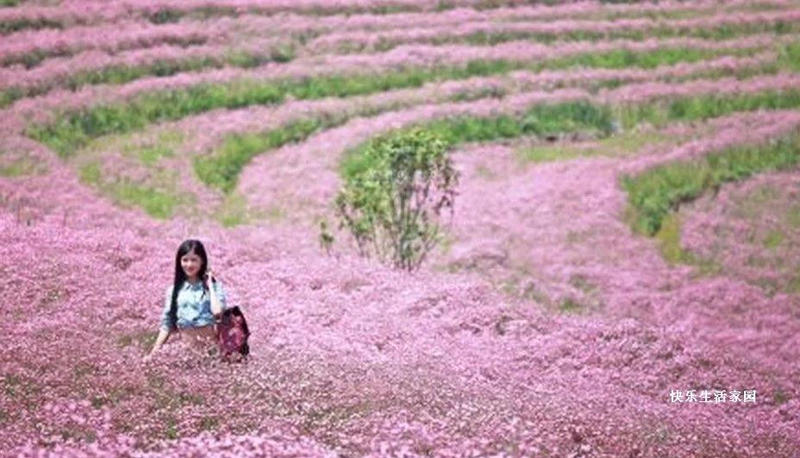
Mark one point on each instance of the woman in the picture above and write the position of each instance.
(189, 303)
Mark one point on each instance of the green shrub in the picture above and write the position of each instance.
(394, 194)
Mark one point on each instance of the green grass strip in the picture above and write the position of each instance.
(7, 27)
(624, 58)
(121, 74)
(790, 55)
(481, 38)
(124, 74)
(662, 111)
(565, 118)
(156, 203)
(655, 193)
(35, 57)
(668, 239)
(222, 168)
(624, 144)
(166, 15)
(20, 167)
(541, 120)
(169, 15)
(73, 130)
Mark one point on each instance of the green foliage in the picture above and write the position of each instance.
(773, 239)
(75, 130)
(233, 211)
(712, 106)
(545, 120)
(377, 173)
(72, 130)
(156, 203)
(790, 55)
(794, 287)
(91, 173)
(7, 27)
(653, 194)
(720, 32)
(570, 305)
(35, 57)
(21, 166)
(222, 169)
(548, 120)
(793, 216)
(326, 239)
(444, 5)
(283, 52)
(9, 95)
(625, 58)
(394, 194)
(209, 424)
(669, 241)
(121, 74)
(661, 111)
(164, 16)
(151, 154)
(623, 144)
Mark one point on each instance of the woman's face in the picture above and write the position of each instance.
(191, 264)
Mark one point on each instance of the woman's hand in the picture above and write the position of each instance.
(209, 276)
(216, 306)
(163, 335)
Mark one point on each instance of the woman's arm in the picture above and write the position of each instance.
(164, 330)
(163, 335)
(216, 304)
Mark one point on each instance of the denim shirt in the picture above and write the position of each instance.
(194, 305)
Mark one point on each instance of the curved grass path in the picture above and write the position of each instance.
(70, 14)
(720, 27)
(117, 70)
(323, 114)
(657, 192)
(72, 130)
(221, 168)
(263, 187)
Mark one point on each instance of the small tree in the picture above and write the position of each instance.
(394, 194)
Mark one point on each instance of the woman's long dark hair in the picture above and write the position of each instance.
(180, 276)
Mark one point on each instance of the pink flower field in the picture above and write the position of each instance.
(541, 324)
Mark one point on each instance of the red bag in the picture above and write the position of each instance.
(232, 334)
